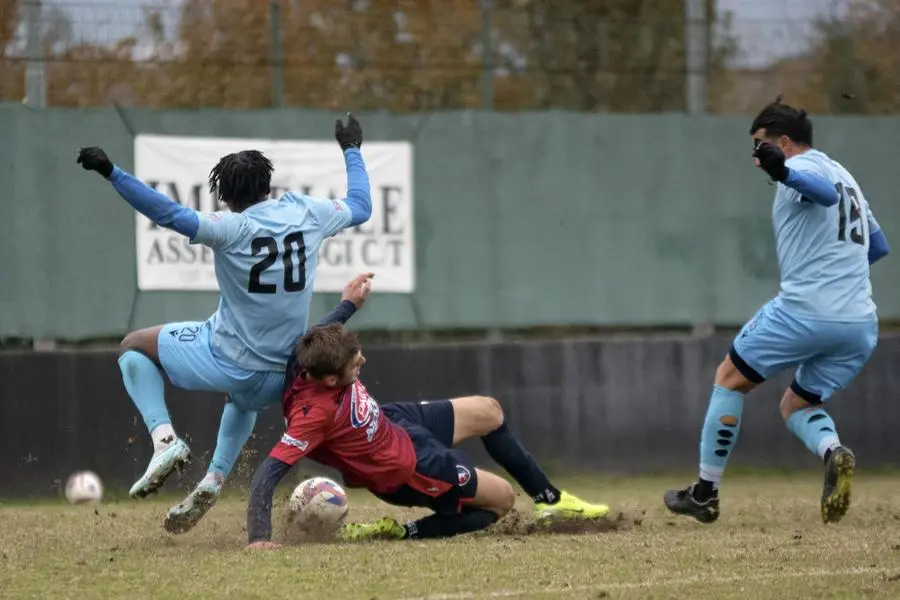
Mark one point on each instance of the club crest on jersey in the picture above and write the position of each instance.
(463, 475)
(364, 411)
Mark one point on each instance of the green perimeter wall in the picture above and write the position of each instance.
(546, 218)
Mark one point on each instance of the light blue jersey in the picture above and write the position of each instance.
(265, 260)
(823, 321)
(823, 251)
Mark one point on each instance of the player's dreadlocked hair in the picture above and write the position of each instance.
(781, 119)
(241, 179)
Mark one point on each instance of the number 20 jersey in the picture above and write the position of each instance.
(823, 251)
(265, 259)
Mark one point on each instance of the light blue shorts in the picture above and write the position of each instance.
(828, 354)
(186, 356)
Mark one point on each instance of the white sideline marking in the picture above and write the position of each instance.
(659, 583)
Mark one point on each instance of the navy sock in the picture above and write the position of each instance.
(507, 451)
(704, 490)
(443, 526)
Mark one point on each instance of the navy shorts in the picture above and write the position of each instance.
(445, 479)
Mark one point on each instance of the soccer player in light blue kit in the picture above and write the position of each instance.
(823, 320)
(265, 255)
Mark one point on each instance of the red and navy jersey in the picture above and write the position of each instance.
(344, 428)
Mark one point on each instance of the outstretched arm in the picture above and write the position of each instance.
(355, 294)
(339, 314)
(262, 489)
(305, 431)
(155, 206)
(147, 201)
(216, 230)
(359, 194)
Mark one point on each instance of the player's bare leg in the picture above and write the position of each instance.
(720, 433)
(482, 416)
(815, 428)
(494, 494)
(494, 498)
(139, 363)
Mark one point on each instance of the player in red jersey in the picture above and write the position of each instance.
(401, 452)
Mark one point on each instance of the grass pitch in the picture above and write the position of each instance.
(769, 543)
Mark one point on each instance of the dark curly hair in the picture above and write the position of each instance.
(781, 119)
(241, 180)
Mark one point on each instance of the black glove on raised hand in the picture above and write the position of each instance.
(95, 159)
(771, 160)
(349, 136)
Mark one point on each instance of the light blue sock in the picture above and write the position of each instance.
(720, 432)
(815, 429)
(234, 431)
(144, 383)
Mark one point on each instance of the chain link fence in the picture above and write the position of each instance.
(413, 55)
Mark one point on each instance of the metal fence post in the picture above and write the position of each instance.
(275, 53)
(35, 88)
(696, 45)
(487, 67)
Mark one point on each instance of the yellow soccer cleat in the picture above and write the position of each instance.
(385, 528)
(570, 507)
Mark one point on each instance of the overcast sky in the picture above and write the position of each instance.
(767, 29)
(772, 29)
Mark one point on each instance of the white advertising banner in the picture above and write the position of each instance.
(179, 166)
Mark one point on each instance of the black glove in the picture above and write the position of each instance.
(771, 160)
(95, 159)
(350, 136)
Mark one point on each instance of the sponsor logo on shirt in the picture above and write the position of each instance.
(364, 411)
(302, 445)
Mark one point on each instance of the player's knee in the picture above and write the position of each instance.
(132, 341)
(791, 403)
(729, 377)
(143, 341)
(506, 500)
(491, 413)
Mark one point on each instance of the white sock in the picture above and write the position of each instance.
(163, 436)
(213, 477)
(830, 443)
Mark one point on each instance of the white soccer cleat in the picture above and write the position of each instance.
(175, 456)
(185, 515)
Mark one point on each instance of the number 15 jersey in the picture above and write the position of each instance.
(823, 251)
(265, 259)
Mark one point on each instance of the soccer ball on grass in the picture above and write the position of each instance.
(319, 504)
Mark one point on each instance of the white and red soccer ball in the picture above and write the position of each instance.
(319, 502)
